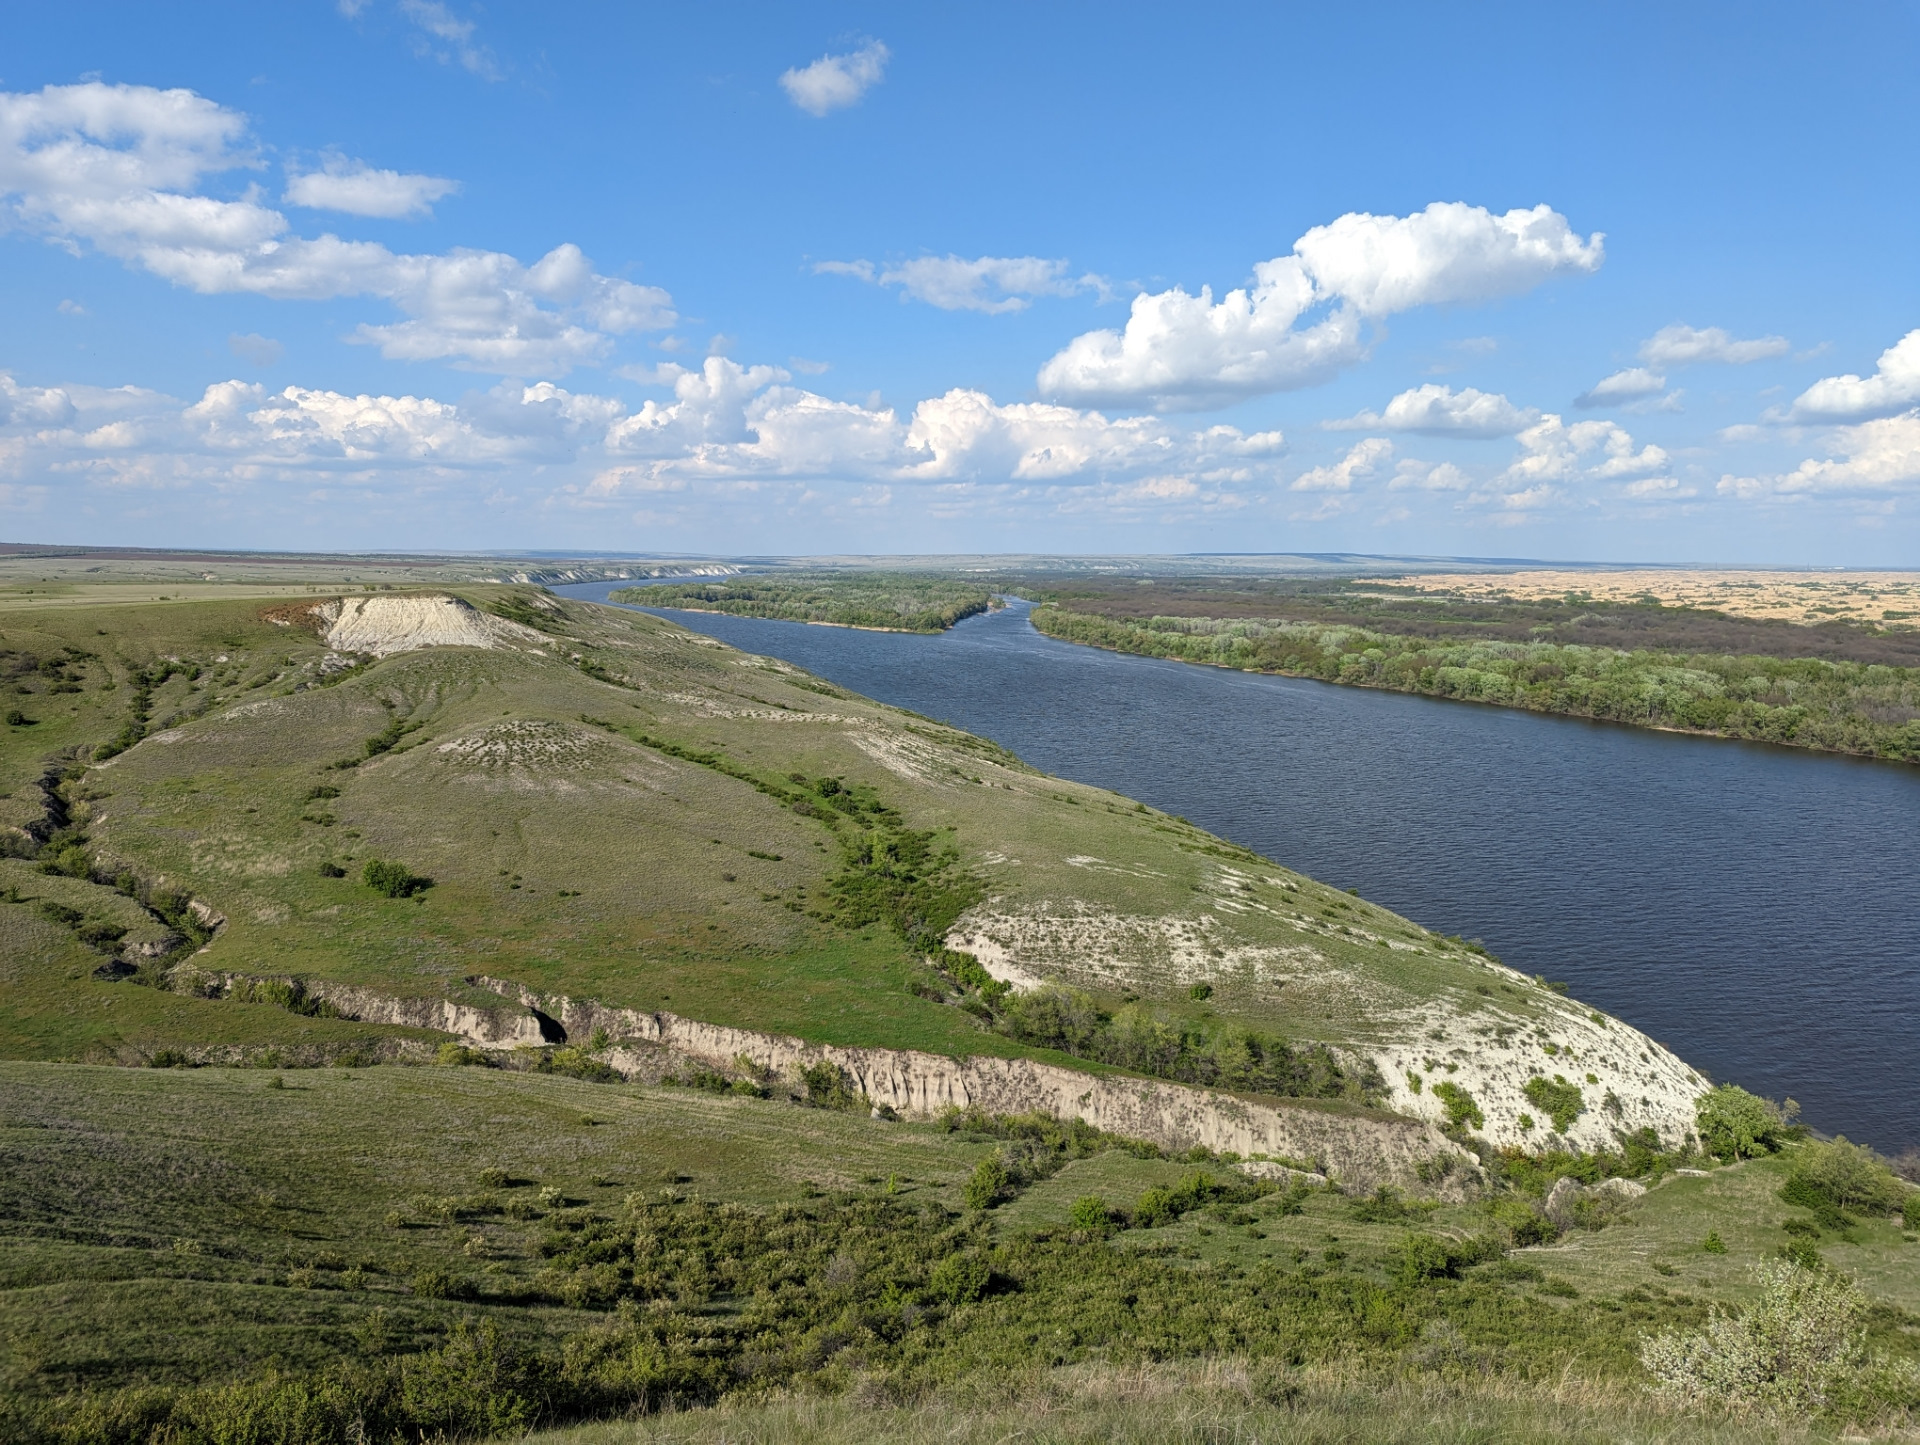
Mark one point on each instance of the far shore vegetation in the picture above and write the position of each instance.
(1843, 707)
(1845, 687)
(892, 601)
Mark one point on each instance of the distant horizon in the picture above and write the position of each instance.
(28, 550)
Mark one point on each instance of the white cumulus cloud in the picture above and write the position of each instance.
(1680, 345)
(1412, 475)
(1876, 458)
(1894, 386)
(834, 82)
(1301, 319)
(1362, 463)
(1636, 383)
(993, 284)
(1554, 453)
(116, 167)
(359, 189)
(1436, 410)
(726, 425)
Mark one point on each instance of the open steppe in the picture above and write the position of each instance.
(1888, 598)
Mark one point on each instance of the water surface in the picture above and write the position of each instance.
(1753, 908)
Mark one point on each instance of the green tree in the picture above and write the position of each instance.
(1734, 1124)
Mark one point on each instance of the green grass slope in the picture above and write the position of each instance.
(609, 806)
(245, 1255)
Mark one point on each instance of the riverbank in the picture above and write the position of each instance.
(1861, 709)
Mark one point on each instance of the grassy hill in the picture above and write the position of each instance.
(364, 829)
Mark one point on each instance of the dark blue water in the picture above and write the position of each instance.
(1756, 909)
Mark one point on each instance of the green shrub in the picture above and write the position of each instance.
(577, 1064)
(1559, 1100)
(1462, 1111)
(960, 1278)
(1523, 1222)
(1422, 1257)
(827, 1087)
(1714, 1244)
(989, 1183)
(393, 880)
(1385, 1206)
(432, 1283)
(1802, 1253)
(1163, 1205)
(1734, 1124)
(1090, 1215)
(1846, 1176)
(1154, 1208)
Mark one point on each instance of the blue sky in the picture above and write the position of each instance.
(1579, 282)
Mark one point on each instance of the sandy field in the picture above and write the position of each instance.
(1890, 597)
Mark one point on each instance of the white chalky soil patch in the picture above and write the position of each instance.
(383, 626)
(1074, 943)
(1626, 1080)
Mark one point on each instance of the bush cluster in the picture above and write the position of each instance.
(1559, 1100)
(1188, 1051)
(393, 880)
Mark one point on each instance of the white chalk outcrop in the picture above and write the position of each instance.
(1361, 1150)
(1490, 1043)
(386, 625)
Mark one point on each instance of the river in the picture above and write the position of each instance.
(1754, 908)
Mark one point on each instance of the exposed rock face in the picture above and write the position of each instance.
(503, 1027)
(386, 625)
(1362, 1150)
(1609, 1193)
(1357, 1150)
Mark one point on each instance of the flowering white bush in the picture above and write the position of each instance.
(1792, 1348)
